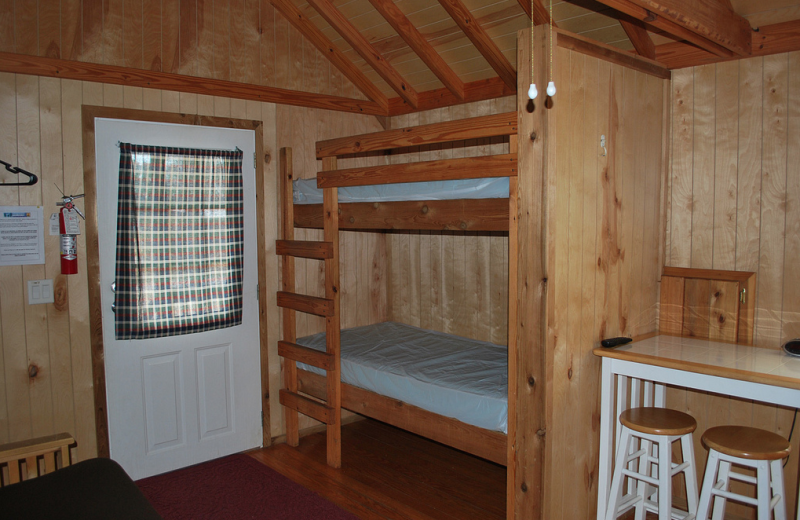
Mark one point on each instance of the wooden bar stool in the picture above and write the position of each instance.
(759, 449)
(655, 429)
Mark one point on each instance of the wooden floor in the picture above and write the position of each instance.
(391, 474)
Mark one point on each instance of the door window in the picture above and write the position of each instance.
(180, 241)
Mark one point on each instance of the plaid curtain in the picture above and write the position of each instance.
(180, 241)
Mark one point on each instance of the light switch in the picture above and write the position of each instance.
(40, 291)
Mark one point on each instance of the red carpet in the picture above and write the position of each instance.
(235, 488)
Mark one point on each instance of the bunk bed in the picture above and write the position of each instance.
(315, 366)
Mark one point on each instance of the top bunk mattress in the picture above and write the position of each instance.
(448, 375)
(306, 191)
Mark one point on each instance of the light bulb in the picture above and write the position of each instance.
(532, 92)
(551, 89)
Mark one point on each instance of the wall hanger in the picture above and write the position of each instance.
(32, 179)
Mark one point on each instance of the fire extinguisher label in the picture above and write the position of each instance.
(68, 247)
(71, 222)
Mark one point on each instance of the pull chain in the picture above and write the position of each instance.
(551, 87)
(532, 92)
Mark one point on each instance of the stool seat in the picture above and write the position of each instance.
(658, 421)
(746, 443)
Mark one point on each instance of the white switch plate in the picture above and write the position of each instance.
(40, 291)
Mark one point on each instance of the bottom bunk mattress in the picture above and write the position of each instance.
(449, 375)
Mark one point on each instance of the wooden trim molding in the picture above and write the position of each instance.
(89, 114)
(78, 70)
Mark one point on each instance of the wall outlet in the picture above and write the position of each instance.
(40, 291)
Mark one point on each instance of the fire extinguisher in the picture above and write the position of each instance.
(69, 228)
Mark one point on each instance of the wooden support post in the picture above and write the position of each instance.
(287, 272)
(332, 323)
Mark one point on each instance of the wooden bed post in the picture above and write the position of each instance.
(288, 281)
(328, 412)
(332, 323)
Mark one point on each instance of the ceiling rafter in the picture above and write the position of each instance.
(637, 33)
(464, 19)
(709, 24)
(420, 45)
(539, 13)
(328, 49)
(365, 49)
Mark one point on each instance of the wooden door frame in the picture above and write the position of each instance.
(89, 113)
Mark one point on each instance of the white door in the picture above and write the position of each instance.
(180, 400)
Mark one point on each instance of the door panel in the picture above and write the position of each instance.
(180, 400)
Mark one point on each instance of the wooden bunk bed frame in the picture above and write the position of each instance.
(329, 394)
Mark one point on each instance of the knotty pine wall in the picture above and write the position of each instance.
(605, 236)
(451, 281)
(238, 40)
(734, 204)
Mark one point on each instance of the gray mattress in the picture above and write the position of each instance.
(449, 375)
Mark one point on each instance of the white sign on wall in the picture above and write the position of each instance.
(21, 235)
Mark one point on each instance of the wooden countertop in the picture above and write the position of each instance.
(730, 360)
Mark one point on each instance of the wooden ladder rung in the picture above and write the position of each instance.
(306, 355)
(304, 249)
(305, 303)
(306, 406)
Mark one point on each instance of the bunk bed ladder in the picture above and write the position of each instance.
(328, 412)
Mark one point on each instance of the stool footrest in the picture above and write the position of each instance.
(638, 476)
(774, 501)
(678, 468)
(734, 497)
(742, 478)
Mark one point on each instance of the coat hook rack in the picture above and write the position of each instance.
(32, 178)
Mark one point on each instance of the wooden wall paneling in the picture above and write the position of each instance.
(703, 161)
(613, 201)
(187, 39)
(482, 313)
(70, 29)
(222, 40)
(205, 105)
(91, 29)
(171, 101)
(603, 177)
(680, 252)
(132, 97)
(724, 310)
(11, 400)
(726, 126)
(58, 313)
(26, 28)
(7, 26)
(463, 296)
(696, 311)
(653, 222)
(426, 275)
(631, 111)
(73, 95)
(269, 45)
(222, 107)
(37, 344)
(113, 95)
(132, 34)
(671, 318)
(790, 318)
(589, 337)
(49, 22)
(748, 213)
(204, 55)
(151, 99)
(638, 310)
(113, 53)
(171, 32)
(153, 14)
(773, 202)
(559, 277)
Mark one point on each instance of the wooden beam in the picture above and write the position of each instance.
(490, 445)
(708, 24)
(539, 14)
(480, 90)
(331, 51)
(464, 19)
(304, 249)
(769, 39)
(365, 49)
(306, 355)
(460, 129)
(83, 71)
(306, 406)
(305, 303)
(420, 45)
(441, 170)
(637, 33)
(454, 215)
(576, 42)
